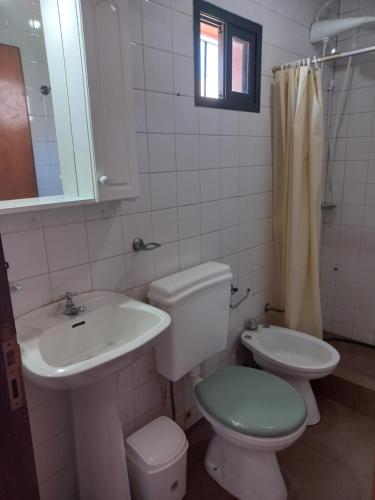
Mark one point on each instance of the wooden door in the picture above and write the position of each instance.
(17, 469)
(17, 171)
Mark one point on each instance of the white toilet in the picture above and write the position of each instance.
(253, 413)
(294, 356)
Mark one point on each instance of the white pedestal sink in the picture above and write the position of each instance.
(84, 354)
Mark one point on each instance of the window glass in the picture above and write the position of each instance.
(240, 65)
(210, 38)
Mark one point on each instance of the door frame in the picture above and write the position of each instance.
(18, 479)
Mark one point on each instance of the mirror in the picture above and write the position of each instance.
(46, 150)
(64, 69)
(29, 157)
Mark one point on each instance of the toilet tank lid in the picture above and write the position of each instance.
(171, 289)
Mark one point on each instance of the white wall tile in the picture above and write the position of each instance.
(109, 274)
(25, 254)
(230, 151)
(209, 151)
(36, 292)
(136, 53)
(74, 279)
(229, 212)
(158, 70)
(182, 34)
(187, 152)
(105, 238)
(186, 115)
(66, 215)
(183, 74)
(210, 246)
(167, 260)
(61, 253)
(210, 216)
(139, 110)
(160, 116)
(157, 25)
(188, 188)
(229, 178)
(189, 221)
(190, 252)
(55, 454)
(209, 121)
(60, 486)
(139, 268)
(162, 152)
(163, 190)
(143, 202)
(210, 184)
(165, 225)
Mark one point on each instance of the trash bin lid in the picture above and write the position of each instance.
(156, 444)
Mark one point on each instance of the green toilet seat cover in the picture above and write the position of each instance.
(252, 402)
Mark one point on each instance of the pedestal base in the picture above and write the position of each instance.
(247, 474)
(304, 388)
(99, 442)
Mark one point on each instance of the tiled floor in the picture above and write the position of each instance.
(357, 364)
(353, 381)
(332, 461)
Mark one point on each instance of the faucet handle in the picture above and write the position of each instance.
(67, 295)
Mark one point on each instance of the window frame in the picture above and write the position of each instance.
(233, 26)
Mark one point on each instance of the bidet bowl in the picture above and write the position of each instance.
(294, 356)
(290, 353)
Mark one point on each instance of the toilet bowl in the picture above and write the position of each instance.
(294, 356)
(254, 414)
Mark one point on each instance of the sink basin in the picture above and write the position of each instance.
(85, 353)
(64, 352)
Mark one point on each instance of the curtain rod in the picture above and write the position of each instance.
(332, 57)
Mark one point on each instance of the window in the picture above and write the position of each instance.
(227, 53)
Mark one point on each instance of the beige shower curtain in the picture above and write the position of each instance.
(298, 158)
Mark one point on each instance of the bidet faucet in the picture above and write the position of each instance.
(70, 309)
(251, 325)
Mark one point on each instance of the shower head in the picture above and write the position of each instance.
(324, 30)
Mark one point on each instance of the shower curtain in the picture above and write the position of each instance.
(298, 159)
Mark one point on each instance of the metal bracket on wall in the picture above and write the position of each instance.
(234, 290)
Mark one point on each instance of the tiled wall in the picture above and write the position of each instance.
(21, 26)
(206, 181)
(348, 252)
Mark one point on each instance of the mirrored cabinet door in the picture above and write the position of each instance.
(66, 119)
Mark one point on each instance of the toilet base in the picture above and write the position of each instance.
(246, 474)
(305, 389)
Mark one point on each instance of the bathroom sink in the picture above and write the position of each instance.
(65, 352)
(85, 354)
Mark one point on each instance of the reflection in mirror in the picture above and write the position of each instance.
(211, 60)
(240, 65)
(29, 161)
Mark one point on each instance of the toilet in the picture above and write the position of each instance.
(294, 356)
(254, 414)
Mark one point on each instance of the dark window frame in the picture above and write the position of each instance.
(246, 30)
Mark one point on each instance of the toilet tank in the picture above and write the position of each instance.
(197, 300)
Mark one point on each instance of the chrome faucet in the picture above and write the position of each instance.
(70, 309)
(251, 325)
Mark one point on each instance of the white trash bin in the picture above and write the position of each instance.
(156, 456)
